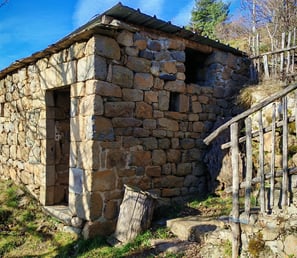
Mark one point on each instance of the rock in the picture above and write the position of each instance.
(193, 228)
(290, 245)
(73, 230)
(76, 222)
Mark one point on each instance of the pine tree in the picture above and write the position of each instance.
(207, 14)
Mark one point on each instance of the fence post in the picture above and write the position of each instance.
(235, 190)
(249, 166)
(261, 163)
(272, 161)
(285, 182)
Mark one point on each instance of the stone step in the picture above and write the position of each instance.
(60, 212)
(194, 228)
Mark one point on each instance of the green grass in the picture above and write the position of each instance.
(216, 205)
(25, 231)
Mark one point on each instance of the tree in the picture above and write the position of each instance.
(276, 16)
(207, 14)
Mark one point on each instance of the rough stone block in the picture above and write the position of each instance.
(179, 56)
(139, 64)
(149, 124)
(198, 127)
(126, 122)
(102, 129)
(183, 169)
(92, 229)
(77, 90)
(163, 100)
(107, 47)
(122, 76)
(168, 124)
(119, 109)
(175, 86)
(125, 38)
(153, 171)
(143, 81)
(103, 180)
(159, 157)
(168, 66)
(149, 143)
(116, 158)
(140, 158)
(169, 192)
(173, 155)
(141, 132)
(91, 105)
(91, 67)
(76, 51)
(143, 110)
(89, 206)
(103, 88)
(132, 95)
(76, 180)
(111, 210)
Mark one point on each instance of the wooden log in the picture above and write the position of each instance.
(285, 182)
(135, 215)
(261, 163)
(249, 166)
(272, 160)
(235, 226)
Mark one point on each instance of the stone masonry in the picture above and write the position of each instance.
(132, 119)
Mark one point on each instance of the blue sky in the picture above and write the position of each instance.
(28, 26)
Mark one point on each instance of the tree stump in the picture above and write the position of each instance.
(136, 212)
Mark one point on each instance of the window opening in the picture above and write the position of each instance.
(196, 69)
(174, 101)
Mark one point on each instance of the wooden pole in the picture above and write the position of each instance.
(285, 183)
(261, 163)
(266, 68)
(235, 189)
(288, 52)
(282, 55)
(249, 166)
(272, 161)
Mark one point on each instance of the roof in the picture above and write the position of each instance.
(125, 14)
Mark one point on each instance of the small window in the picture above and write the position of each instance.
(1, 109)
(174, 101)
(196, 69)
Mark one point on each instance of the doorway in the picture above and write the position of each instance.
(58, 146)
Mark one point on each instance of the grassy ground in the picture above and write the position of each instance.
(25, 231)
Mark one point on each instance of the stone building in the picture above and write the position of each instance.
(125, 99)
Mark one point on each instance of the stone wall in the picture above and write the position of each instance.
(133, 120)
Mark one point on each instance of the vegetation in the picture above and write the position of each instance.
(25, 231)
(207, 14)
(256, 245)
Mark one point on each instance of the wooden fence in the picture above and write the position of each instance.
(278, 63)
(241, 144)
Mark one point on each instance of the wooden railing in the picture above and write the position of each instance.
(242, 143)
(278, 63)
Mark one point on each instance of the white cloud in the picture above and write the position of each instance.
(184, 15)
